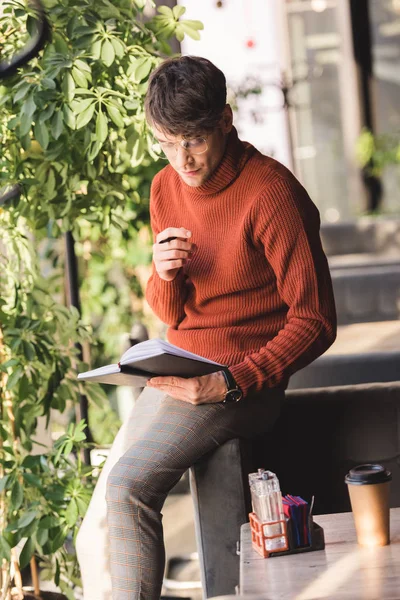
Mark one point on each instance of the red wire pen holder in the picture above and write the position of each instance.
(260, 540)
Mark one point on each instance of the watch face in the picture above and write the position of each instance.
(233, 396)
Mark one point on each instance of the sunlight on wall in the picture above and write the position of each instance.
(244, 40)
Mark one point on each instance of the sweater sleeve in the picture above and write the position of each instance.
(286, 226)
(166, 298)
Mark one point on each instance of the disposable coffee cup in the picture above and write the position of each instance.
(368, 487)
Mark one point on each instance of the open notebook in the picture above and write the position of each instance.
(148, 359)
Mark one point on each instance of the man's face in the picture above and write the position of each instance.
(195, 169)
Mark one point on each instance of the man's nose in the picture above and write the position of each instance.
(183, 157)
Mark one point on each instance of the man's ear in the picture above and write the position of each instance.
(227, 119)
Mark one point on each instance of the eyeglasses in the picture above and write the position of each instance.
(196, 145)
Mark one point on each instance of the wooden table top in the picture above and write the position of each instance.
(343, 570)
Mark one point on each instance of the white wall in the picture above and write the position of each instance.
(224, 42)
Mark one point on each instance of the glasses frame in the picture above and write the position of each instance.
(180, 143)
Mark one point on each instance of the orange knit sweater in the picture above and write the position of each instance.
(257, 293)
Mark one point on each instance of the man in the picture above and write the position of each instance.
(240, 277)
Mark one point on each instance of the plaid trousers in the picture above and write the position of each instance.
(120, 543)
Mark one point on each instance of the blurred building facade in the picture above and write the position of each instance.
(326, 69)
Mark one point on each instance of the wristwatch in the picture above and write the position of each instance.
(233, 393)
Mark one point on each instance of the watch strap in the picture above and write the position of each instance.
(232, 388)
(229, 380)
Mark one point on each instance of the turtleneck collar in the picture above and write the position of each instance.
(237, 153)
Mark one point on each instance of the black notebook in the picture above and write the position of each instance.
(149, 359)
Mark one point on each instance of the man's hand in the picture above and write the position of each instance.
(170, 256)
(196, 390)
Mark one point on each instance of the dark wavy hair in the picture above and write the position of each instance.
(186, 96)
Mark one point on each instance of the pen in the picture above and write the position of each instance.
(167, 240)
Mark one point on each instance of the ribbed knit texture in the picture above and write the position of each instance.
(257, 293)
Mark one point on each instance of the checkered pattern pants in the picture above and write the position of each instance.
(120, 543)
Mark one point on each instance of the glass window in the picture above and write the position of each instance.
(315, 50)
(385, 30)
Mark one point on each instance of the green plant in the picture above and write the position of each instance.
(38, 359)
(73, 125)
(74, 136)
(376, 152)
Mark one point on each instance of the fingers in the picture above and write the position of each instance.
(195, 390)
(177, 232)
(170, 255)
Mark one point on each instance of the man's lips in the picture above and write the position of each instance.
(190, 173)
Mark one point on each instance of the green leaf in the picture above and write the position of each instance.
(29, 350)
(93, 151)
(69, 117)
(32, 479)
(165, 10)
(58, 541)
(79, 106)
(115, 115)
(25, 387)
(193, 33)
(59, 42)
(25, 124)
(55, 150)
(84, 117)
(50, 184)
(47, 113)
(79, 78)
(57, 125)
(17, 495)
(68, 87)
(13, 378)
(131, 140)
(193, 24)
(41, 134)
(107, 10)
(83, 66)
(9, 363)
(26, 553)
(3, 482)
(107, 53)
(3, 433)
(101, 127)
(96, 49)
(132, 104)
(42, 535)
(8, 450)
(49, 522)
(178, 11)
(26, 519)
(31, 462)
(57, 573)
(5, 549)
(29, 106)
(48, 84)
(29, 529)
(71, 514)
(82, 506)
(143, 69)
(21, 93)
(118, 47)
(137, 152)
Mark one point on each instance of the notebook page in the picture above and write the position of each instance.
(155, 347)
